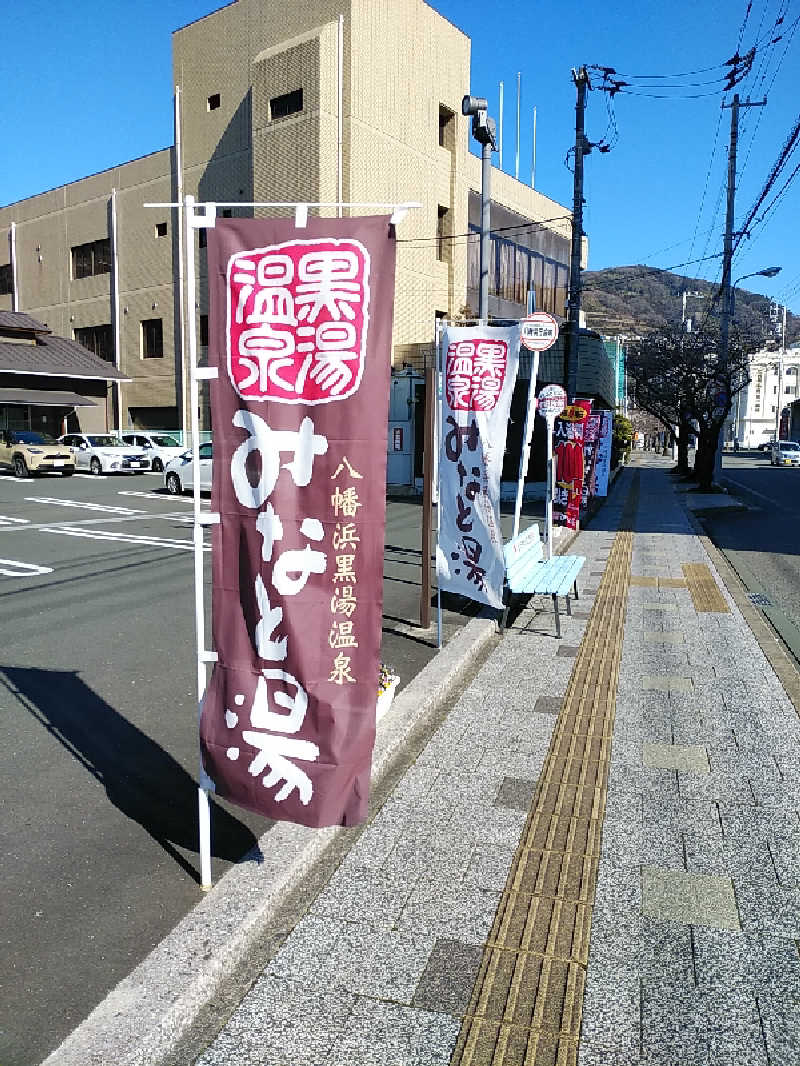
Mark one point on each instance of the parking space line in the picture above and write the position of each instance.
(13, 568)
(155, 496)
(83, 505)
(6, 521)
(125, 538)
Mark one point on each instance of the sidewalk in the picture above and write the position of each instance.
(595, 857)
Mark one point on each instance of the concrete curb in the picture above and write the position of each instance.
(153, 1010)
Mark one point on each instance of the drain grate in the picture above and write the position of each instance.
(759, 599)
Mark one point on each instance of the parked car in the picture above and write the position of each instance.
(179, 473)
(29, 452)
(766, 445)
(101, 452)
(160, 447)
(785, 453)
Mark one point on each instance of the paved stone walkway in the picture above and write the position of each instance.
(691, 892)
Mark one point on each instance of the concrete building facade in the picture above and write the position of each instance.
(353, 101)
(774, 388)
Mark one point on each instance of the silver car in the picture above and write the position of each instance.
(785, 453)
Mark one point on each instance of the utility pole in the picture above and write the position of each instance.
(582, 148)
(483, 130)
(727, 253)
(781, 358)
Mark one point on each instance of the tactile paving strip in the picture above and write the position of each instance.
(526, 1006)
(704, 590)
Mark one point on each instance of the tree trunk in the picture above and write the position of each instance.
(683, 450)
(704, 459)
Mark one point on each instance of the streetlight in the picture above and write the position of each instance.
(767, 272)
(483, 130)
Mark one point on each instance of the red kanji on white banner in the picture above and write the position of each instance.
(474, 374)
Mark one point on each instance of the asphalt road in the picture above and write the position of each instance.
(763, 543)
(99, 754)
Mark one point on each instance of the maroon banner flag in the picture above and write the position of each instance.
(300, 326)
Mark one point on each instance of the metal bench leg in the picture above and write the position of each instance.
(558, 617)
(506, 606)
(576, 588)
(569, 606)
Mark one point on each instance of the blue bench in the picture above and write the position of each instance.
(529, 573)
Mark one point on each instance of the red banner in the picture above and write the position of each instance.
(300, 328)
(568, 447)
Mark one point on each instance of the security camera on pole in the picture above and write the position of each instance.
(483, 130)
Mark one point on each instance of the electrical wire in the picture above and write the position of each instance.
(475, 234)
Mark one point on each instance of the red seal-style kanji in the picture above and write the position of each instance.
(298, 314)
(474, 374)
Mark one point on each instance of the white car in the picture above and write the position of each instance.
(104, 453)
(785, 453)
(160, 447)
(179, 473)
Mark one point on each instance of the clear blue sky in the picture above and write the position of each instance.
(88, 85)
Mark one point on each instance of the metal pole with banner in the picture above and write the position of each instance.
(551, 402)
(302, 331)
(538, 332)
(480, 368)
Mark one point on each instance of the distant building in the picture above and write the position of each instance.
(773, 389)
(283, 102)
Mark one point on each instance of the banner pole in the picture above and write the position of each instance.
(437, 416)
(527, 436)
(203, 806)
(427, 500)
(549, 490)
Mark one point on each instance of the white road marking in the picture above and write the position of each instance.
(11, 477)
(12, 568)
(126, 538)
(83, 505)
(155, 496)
(94, 477)
(6, 521)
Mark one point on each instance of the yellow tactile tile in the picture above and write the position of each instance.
(704, 590)
(526, 1005)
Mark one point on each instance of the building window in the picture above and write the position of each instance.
(6, 280)
(441, 232)
(446, 126)
(98, 339)
(227, 212)
(152, 339)
(92, 258)
(202, 238)
(204, 331)
(287, 104)
(161, 229)
(213, 102)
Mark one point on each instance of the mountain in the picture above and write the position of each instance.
(639, 299)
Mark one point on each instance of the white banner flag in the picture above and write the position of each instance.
(479, 369)
(603, 462)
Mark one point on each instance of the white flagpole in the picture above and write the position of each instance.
(204, 808)
(525, 454)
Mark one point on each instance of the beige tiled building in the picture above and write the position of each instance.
(352, 100)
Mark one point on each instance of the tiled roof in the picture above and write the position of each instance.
(18, 320)
(50, 355)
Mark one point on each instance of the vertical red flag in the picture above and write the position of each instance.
(568, 440)
(300, 326)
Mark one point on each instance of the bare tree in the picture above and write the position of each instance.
(680, 379)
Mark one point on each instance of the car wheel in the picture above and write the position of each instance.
(20, 466)
(67, 473)
(157, 466)
(95, 466)
(174, 487)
